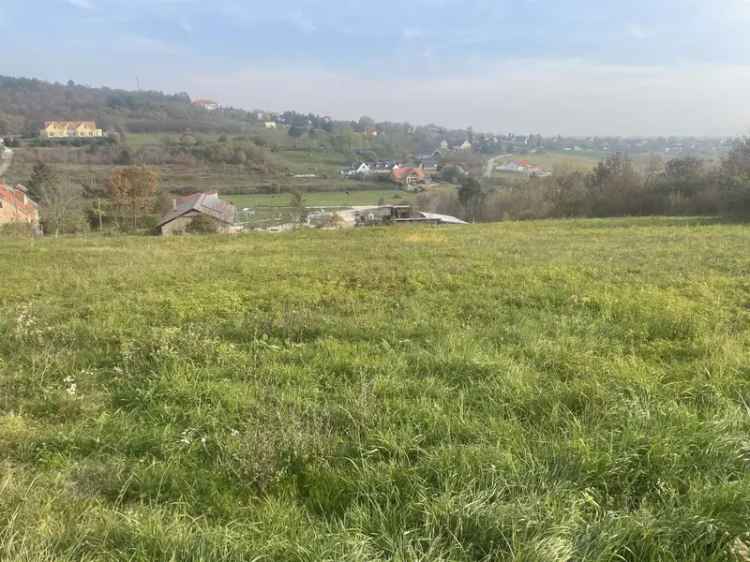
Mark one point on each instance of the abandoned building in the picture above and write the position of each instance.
(399, 215)
(185, 210)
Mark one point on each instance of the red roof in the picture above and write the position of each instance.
(400, 173)
(17, 199)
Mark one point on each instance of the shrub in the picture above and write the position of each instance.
(17, 230)
(202, 224)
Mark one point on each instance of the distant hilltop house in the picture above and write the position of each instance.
(208, 105)
(465, 147)
(186, 209)
(70, 130)
(271, 125)
(16, 207)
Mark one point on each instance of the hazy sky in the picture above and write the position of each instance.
(643, 67)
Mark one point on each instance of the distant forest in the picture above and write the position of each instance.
(26, 103)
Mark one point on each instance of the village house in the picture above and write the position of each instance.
(70, 130)
(408, 176)
(16, 207)
(271, 125)
(358, 169)
(185, 210)
(208, 105)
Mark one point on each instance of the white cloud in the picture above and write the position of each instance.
(568, 97)
(84, 4)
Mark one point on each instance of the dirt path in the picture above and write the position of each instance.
(491, 164)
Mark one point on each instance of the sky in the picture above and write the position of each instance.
(572, 67)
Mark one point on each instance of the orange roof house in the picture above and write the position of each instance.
(408, 176)
(16, 207)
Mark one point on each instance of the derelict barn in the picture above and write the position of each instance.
(186, 209)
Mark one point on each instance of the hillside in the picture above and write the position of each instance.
(569, 390)
(26, 103)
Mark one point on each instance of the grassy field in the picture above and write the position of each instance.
(340, 198)
(533, 391)
(558, 161)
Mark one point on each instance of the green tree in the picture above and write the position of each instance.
(60, 200)
(42, 176)
(133, 191)
(297, 203)
(365, 123)
(734, 181)
(471, 196)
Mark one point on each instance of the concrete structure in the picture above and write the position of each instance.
(271, 125)
(70, 130)
(186, 209)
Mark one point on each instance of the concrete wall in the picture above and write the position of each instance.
(177, 226)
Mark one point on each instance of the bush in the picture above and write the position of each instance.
(17, 230)
(202, 224)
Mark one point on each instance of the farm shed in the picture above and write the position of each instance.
(186, 209)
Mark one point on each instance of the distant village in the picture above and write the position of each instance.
(507, 154)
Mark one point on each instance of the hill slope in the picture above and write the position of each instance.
(26, 103)
(534, 391)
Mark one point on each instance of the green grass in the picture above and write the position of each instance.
(554, 160)
(340, 198)
(533, 391)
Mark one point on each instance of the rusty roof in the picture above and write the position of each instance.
(209, 204)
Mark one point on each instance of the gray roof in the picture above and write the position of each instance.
(208, 204)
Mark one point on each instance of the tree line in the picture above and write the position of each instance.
(614, 188)
(129, 201)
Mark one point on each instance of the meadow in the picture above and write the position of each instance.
(334, 198)
(551, 391)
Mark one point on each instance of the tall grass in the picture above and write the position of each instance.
(538, 391)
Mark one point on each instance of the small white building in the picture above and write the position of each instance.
(271, 125)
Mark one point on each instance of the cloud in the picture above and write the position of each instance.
(83, 4)
(546, 96)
